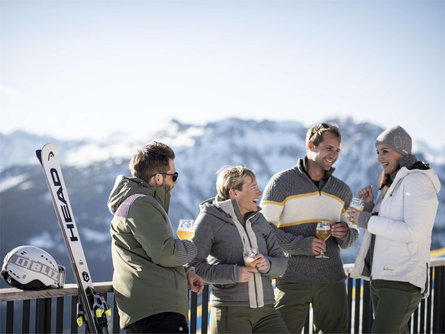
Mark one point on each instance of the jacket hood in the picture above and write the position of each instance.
(224, 209)
(212, 206)
(127, 186)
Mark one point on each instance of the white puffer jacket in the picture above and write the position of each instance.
(403, 229)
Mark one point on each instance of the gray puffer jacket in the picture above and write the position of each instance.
(218, 237)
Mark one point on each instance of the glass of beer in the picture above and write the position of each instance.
(323, 232)
(357, 204)
(249, 256)
(186, 229)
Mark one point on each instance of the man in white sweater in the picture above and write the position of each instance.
(294, 201)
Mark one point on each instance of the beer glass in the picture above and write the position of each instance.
(323, 232)
(357, 204)
(186, 229)
(249, 256)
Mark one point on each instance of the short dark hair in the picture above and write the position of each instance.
(151, 159)
(315, 133)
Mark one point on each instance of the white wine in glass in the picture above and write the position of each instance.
(186, 229)
(323, 232)
(357, 203)
(249, 256)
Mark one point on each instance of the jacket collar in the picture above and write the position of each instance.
(302, 165)
(127, 186)
(403, 172)
(227, 209)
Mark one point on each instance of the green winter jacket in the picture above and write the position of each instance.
(149, 275)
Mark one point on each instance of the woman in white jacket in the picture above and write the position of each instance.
(395, 249)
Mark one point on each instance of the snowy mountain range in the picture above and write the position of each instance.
(90, 168)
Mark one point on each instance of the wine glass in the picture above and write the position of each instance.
(249, 256)
(186, 229)
(323, 232)
(358, 204)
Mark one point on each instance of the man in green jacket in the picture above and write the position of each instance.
(150, 281)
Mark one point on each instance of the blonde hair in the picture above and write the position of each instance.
(231, 177)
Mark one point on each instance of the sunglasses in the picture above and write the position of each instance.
(322, 126)
(318, 128)
(174, 175)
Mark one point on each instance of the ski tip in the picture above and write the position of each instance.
(47, 152)
(39, 155)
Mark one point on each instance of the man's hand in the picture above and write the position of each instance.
(195, 282)
(339, 230)
(244, 273)
(318, 246)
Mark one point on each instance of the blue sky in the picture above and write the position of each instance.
(76, 69)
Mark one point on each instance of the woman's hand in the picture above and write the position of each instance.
(365, 194)
(244, 273)
(353, 215)
(260, 262)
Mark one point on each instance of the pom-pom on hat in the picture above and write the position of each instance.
(397, 139)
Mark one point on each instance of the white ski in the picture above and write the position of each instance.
(93, 308)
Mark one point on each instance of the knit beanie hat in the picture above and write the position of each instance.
(395, 138)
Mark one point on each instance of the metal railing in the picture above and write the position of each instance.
(54, 310)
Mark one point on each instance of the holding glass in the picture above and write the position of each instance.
(357, 204)
(186, 229)
(323, 232)
(249, 255)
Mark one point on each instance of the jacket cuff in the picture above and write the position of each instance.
(235, 273)
(368, 206)
(363, 219)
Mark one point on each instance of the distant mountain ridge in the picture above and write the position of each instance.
(90, 168)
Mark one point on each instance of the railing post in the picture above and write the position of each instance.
(367, 308)
(26, 316)
(422, 316)
(439, 296)
(193, 311)
(10, 317)
(59, 315)
(429, 302)
(358, 285)
(73, 314)
(204, 309)
(116, 318)
(43, 315)
(350, 283)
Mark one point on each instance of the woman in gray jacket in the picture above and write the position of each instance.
(395, 250)
(242, 295)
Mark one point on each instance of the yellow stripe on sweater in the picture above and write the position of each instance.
(304, 208)
(290, 198)
(301, 222)
(303, 195)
